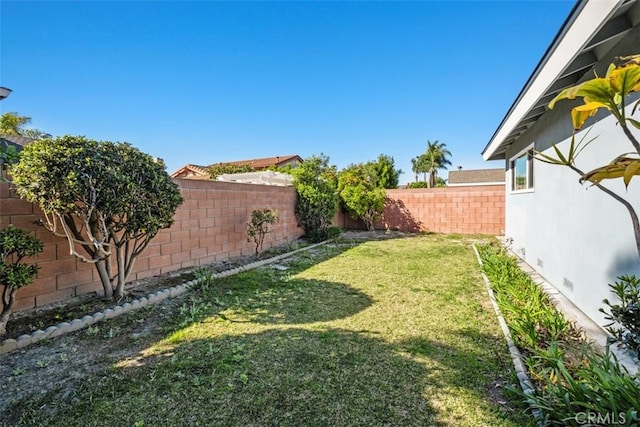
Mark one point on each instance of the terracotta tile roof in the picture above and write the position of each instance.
(477, 176)
(17, 140)
(192, 171)
(263, 163)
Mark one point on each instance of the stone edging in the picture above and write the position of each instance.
(22, 341)
(516, 356)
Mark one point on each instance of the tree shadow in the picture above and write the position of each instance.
(292, 300)
(282, 377)
(464, 367)
(397, 216)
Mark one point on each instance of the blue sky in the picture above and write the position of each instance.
(203, 82)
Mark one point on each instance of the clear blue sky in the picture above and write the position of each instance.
(203, 82)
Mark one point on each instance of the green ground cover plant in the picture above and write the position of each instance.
(574, 383)
(396, 332)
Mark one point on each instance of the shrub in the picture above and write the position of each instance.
(15, 244)
(258, 227)
(360, 193)
(599, 392)
(419, 184)
(224, 168)
(316, 184)
(106, 198)
(574, 384)
(625, 316)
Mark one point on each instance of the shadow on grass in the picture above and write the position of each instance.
(287, 377)
(480, 364)
(294, 301)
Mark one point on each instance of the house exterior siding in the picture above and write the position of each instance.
(576, 237)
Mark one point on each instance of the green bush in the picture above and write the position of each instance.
(419, 184)
(317, 203)
(259, 226)
(15, 245)
(625, 316)
(574, 384)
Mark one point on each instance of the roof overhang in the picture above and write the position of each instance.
(589, 32)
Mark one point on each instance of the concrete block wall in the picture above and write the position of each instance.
(209, 226)
(466, 210)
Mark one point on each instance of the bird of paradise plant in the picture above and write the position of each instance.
(609, 92)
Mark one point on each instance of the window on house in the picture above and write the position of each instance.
(522, 171)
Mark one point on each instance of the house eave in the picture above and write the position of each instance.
(573, 52)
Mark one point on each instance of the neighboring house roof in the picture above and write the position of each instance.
(195, 171)
(191, 171)
(15, 140)
(265, 162)
(476, 177)
(260, 177)
(589, 32)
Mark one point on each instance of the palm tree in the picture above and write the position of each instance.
(436, 157)
(414, 167)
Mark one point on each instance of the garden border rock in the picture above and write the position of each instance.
(516, 356)
(62, 328)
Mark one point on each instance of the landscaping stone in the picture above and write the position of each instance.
(38, 335)
(50, 330)
(8, 345)
(24, 340)
(153, 298)
(75, 325)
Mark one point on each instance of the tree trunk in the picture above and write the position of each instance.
(104, 278)
(4, 318)
(122, 277)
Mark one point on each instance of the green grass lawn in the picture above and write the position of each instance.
(395, 332)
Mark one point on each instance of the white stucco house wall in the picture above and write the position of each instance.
(578, 238)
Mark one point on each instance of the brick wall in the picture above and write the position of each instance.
(466, 210)
(209, 226)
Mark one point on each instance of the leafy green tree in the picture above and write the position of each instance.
(15, 245)
(225, 168)
(13, 124)
(360, 193)
(108, 199)
(316, 184)
(387, 174)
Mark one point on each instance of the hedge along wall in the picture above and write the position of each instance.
(211, 225)
(466, 210)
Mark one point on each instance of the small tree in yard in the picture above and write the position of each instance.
(258, 227)
(357, 186)
(316, 184)
(610, 92)
(15, 244)
(108, 199)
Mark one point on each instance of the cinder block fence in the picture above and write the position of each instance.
(466, 210)
(211, 226)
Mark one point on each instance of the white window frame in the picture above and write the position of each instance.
(529, 172)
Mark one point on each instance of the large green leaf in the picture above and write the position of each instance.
(620, 167)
